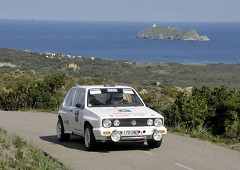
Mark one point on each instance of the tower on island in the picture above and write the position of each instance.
(154, 25)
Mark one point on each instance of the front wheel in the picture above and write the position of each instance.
(89, 139)
(154, 144)
(62, 137)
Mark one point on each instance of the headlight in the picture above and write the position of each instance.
(115, 136)
(116, 122)
(149, 122)
(157, 136)
(158, 122)
(107, 123)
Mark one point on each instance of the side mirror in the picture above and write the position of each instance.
(78, 105)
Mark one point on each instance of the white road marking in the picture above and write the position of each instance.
(150, 153)
(183, 166)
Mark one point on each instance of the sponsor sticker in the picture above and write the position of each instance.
(95, 91)
(112, 90)
(124, 110)
(138, 114)
(122, 115)
(128, 91)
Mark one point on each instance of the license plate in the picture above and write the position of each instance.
(131, 133)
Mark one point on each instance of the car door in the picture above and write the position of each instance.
(67, 108)
(78, 106)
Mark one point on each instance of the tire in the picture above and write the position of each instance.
(62, 137)
(154, 144)
(89, 139)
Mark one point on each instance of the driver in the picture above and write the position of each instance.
(117, 98)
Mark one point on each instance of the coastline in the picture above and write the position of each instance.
(129, 61)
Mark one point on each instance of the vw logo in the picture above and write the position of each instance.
(134, 122)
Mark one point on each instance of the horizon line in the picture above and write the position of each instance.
(216, 21)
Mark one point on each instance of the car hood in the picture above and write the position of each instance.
(130, 112)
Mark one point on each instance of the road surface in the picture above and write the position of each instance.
(176, 152)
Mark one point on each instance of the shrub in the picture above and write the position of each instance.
(27, 92)
(217, 110)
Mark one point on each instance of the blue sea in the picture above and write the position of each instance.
(117, 40)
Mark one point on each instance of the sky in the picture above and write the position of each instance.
(122, 10)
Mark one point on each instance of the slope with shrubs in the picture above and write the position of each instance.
(209, 114)
(17, 154)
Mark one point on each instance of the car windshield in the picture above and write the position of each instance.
(112, 97)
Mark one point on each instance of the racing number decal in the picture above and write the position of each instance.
(76, 116)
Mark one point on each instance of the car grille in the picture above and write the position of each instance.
(128, 122)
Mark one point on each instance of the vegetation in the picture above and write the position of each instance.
(18, 154)
(209, 114)
(218, 110)
(147, 75)
(20, 92)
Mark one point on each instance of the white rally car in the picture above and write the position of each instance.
(108, 114)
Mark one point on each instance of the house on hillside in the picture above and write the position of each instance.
(72, 65)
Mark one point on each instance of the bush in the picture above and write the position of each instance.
(26, 92)
(217, 110)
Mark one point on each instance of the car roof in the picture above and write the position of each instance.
(101, 86)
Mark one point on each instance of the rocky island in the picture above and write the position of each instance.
(168, 33)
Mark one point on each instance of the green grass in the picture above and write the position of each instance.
(15, 153)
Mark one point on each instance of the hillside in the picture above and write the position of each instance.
(121, 72)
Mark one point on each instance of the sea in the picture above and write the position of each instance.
(117, 40)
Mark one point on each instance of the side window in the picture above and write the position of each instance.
(79, 97)
(69, 99)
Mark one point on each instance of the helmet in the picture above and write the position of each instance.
(117, 96)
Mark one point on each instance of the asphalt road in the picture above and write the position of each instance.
(176, 152)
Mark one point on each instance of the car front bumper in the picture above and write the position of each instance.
(128, 133)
